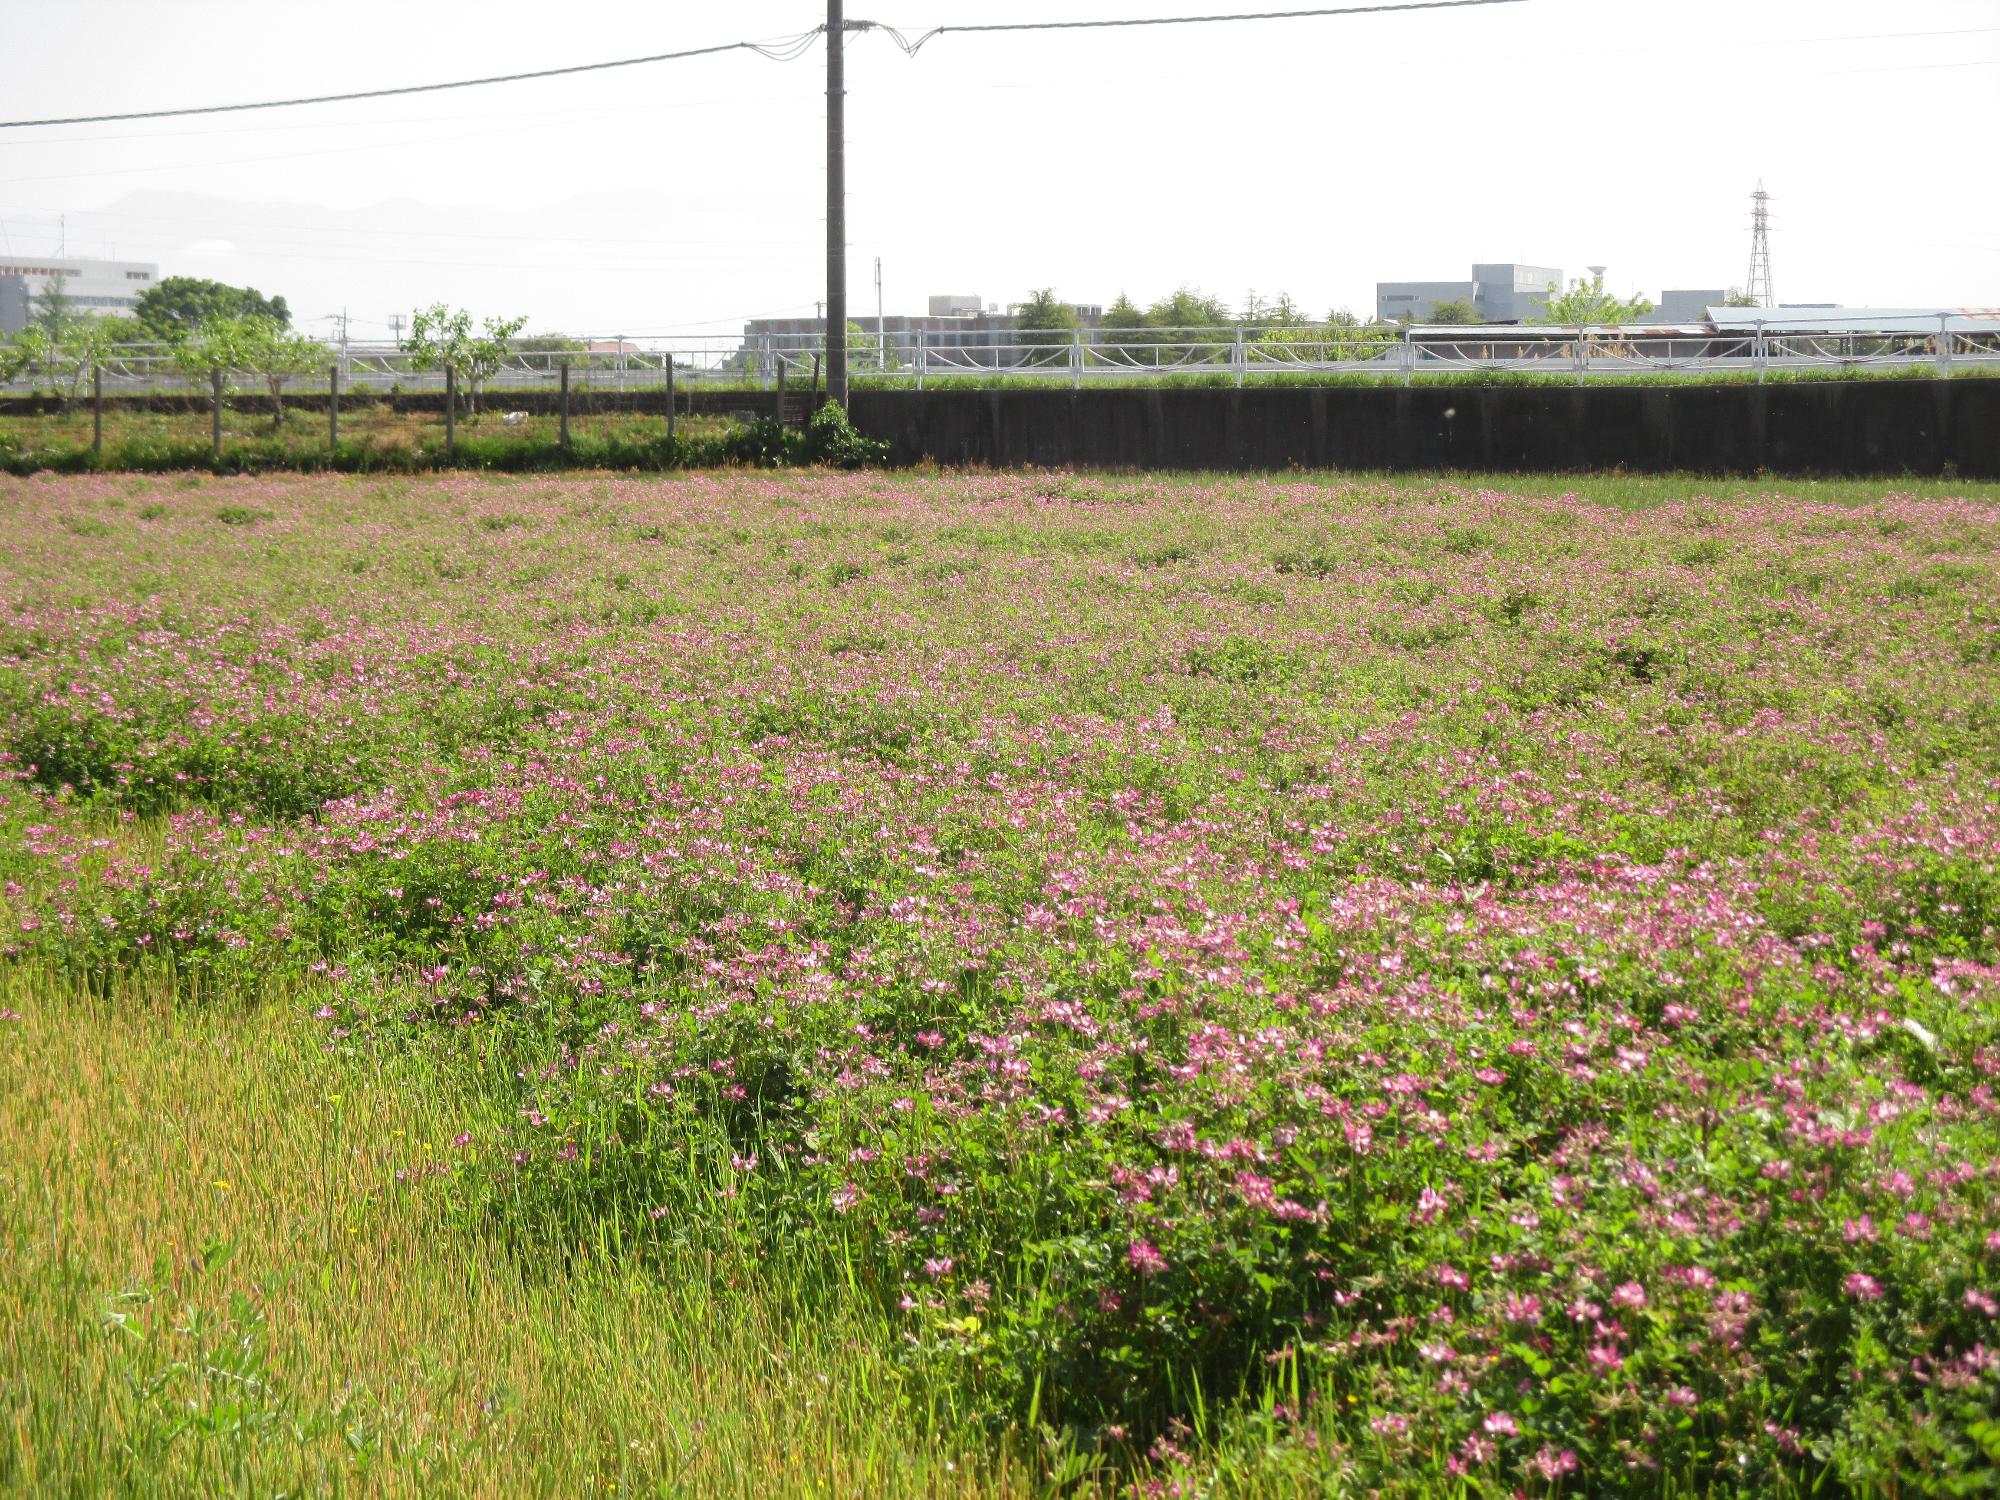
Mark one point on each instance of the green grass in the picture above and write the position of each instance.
(224, 1271)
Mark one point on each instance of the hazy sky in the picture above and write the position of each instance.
(1309, 156)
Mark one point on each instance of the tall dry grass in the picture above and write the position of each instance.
(212, 1283)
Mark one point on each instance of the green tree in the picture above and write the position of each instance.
(1188, 307)
(120, 329)
(443, 338)
(181, 304)
(53, 310)
(1588, 302)
(1279, 312)
(27, 352)
(1044, 312)
(1458, 310)
(1340, 337)
(865, 348)
(1737, 297)
(213, 344)
(275, 354)
(63, 358)
(1124, 314)
(1045, 320)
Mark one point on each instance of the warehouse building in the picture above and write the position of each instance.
(96, 287)
(1501, 292)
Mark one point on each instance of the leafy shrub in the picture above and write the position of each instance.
(832, 440)
(1233, 659)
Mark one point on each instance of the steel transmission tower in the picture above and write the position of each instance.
(1759, 288)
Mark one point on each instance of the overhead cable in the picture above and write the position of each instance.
(783, 50)
(1260, 15)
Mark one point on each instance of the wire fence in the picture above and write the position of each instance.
(381, 402)
(607, 368)
(133, 411)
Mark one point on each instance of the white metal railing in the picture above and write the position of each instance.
(1084, 356)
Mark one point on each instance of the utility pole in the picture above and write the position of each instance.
(396, 328)
(341, 319)
(836, 206)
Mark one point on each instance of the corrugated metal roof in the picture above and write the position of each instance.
(1738, 320)
(1855, 319)
(1501, 333)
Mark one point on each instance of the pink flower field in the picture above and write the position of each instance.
(1383, 987)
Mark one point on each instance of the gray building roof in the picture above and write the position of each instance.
(1855, 319)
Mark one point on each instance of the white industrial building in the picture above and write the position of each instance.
(1500, 292)
(98, 287)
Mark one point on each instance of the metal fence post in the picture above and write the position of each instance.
(562, 423)
(1944, 346)
(1240, 361)
(332, 408)
(1076, 359)
(778, 401)
(450, 411)
(1409, 353)
(215, 409)
(97, 410)
(922, 361)
(673, 401)
(1757, 350)
(1581, 357)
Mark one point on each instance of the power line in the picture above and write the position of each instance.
(1258, 15)
(783, 50)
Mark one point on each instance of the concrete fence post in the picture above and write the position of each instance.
(562, 406)
(450, 411)
(215, 410)
(673, 401)
(332, 408)
(97, 410)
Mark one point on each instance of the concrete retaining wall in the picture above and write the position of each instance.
(1833, 427)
